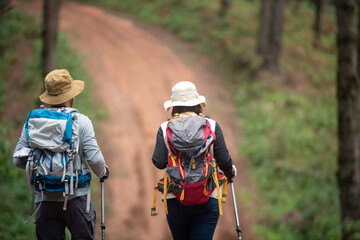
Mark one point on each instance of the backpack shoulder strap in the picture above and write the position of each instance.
(212, 124)
(171, 156)
(163, 128)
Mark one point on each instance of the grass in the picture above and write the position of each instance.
(291, 145)
(289, 121)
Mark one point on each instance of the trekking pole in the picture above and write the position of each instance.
(103, 226)
(238, 229)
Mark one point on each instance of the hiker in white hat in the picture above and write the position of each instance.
(186, 146)
(61, 133)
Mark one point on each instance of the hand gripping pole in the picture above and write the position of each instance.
(238, 229)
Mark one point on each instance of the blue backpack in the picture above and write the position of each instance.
(54, 165)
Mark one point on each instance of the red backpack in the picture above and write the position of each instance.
(191, 173)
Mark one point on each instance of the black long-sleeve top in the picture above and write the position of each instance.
(221, 154)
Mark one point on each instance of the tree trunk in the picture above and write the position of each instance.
(358, 1)
(5, 6)
(348, 96)
(272, 55)
(224, 7)
(264, 27)
(320, 7)
(51, 13)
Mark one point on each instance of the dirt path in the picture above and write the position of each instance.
(133, 68)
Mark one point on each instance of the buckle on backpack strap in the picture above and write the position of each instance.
(66, 185)
(65, 202)
(38, 182)
(153, 212)
(224, 193)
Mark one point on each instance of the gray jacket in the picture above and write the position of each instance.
(89, 152)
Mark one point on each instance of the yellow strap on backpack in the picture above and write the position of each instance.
(173, 158)
(205, 190)
(153, 209)
(166, 191)
(182, 196)
(224, 193)
(218, 191)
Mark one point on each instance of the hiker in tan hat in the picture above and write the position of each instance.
(191, 147)
(56, 146)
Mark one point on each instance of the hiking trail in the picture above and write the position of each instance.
(133, 67)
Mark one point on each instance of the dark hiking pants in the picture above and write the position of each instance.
(51, 220)
(196, 222)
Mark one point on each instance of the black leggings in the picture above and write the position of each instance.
(196, 222)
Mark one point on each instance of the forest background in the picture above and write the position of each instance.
(289, 116)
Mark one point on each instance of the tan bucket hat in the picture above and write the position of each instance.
(184, 94)
(60, 87)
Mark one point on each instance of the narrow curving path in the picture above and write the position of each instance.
(133, 67)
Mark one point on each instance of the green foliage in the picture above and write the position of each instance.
(14, 206)
(10, 31)
(290, 136)
(31, 82)
(352, 227)
(14, 27)
(291, 144)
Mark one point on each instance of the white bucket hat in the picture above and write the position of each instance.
(184, 94)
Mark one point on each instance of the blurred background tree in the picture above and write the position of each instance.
(264, 27)
(224, 7)
(348, 95)
(358, 4)
(5, 6)
(270, 35)
(51, 12)
(320, 6)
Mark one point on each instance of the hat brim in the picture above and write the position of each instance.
(200, 100)
(76, 88)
